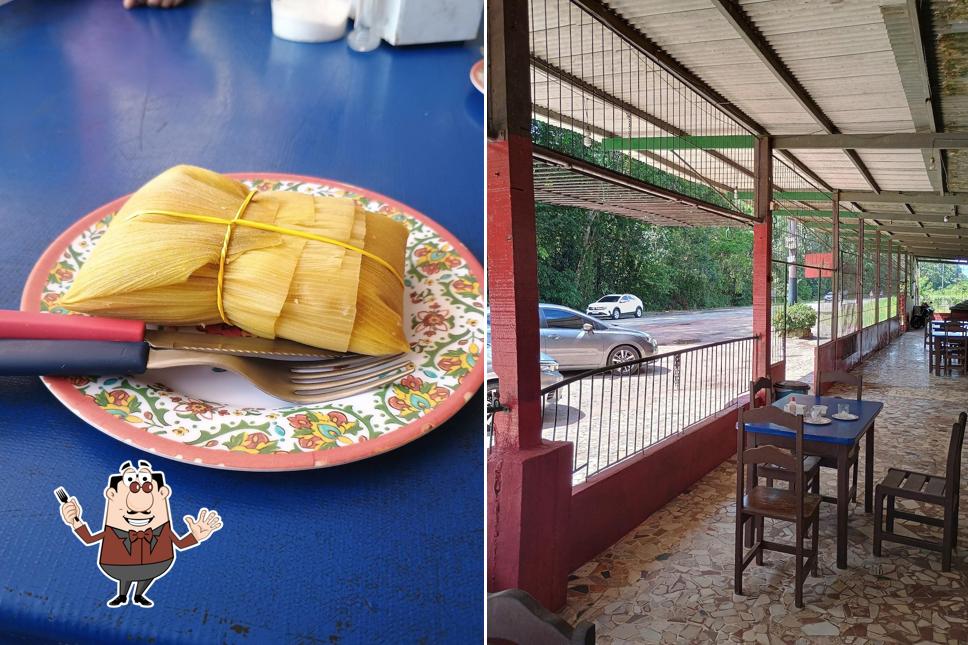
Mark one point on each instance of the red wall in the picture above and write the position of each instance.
(609, 506)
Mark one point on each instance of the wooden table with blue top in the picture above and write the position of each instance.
(95, 101)
(835, 441)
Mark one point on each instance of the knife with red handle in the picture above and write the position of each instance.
(36, 325)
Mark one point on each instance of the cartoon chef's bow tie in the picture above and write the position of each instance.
(140, 535)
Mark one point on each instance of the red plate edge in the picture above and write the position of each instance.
(79, 404)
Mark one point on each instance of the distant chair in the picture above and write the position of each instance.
(948, 348)
(928, 489)
(761, 384)
(760, 502)
(844, 378)
(514, 615)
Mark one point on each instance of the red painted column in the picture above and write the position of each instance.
(836, 276)
(762, 257)
(877, 282)
(860, 288)
(528, 480)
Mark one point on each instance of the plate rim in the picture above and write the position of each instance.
(478, 65)
(78, 403)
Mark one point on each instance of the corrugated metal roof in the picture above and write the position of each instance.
(853, 57)
(839, 51)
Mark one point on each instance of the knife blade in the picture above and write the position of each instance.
(252, 346)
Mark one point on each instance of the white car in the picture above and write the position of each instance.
(615, 305)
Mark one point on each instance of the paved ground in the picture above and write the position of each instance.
(693, 327)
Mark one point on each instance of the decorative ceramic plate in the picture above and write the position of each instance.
(477, 75)
(845, 417)
(822, 421)
(216, 418)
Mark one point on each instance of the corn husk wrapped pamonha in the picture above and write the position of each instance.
(164, 269)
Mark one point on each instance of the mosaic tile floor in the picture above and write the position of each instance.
(670, 580)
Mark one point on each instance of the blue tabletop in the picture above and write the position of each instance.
(95, 101)
(843, 432)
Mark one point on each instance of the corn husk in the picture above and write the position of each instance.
(164, 270)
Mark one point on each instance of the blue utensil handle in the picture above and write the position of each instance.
(71, 357)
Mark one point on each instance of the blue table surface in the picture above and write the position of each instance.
(95, 101)
(844, 432)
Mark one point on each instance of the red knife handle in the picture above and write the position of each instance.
(41, 326)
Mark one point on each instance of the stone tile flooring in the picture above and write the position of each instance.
(670, 580)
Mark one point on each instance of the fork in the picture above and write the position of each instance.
(292, 381)
(61, 494)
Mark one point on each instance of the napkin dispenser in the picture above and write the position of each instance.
(421, 22)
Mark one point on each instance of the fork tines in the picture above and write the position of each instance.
(61, 494)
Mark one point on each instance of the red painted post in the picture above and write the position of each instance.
(528, 480)
(859, 283)
(890, 283)
(877, 282)
(513, 291)
(762, 256)
(836, 277)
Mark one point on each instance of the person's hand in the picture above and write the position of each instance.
(71, 512)
(207, 523)
(130, 4)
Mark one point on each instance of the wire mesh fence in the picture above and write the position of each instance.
(598, 98)
(614, 413)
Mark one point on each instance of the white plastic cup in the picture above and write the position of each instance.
(310, 21)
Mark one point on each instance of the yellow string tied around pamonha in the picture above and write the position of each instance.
(238, 221)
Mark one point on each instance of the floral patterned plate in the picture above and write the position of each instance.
(477, 75)
(216, 418)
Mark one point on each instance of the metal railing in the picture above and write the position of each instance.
(613, 413)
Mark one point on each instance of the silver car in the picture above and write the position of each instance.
(579, 342)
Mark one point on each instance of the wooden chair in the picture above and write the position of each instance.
(515, 616)
(761, 502)
(811, 464)
(928, 489)
(762, 384)
(857, 381)
(948, 351)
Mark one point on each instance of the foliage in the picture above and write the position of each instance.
(583, 255)
(797, 316)
(942, 282)
(574, 144)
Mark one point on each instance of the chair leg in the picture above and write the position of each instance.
(798, 567)
(758, 523)
(738, 564)
(815, 545)
(954, 532)
(890, 513)
(815, 483)
(946, 540)
(878, 516)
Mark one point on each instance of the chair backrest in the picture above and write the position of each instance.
(514, 615)
(761, 384)
(845, 378)
(770, 454)
(952, 473)
(950, 326)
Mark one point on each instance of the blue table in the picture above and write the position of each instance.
(97, 100)
(836, 444)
